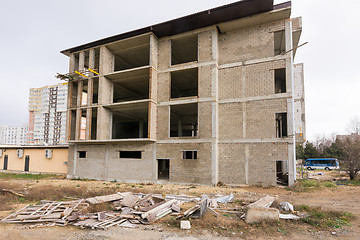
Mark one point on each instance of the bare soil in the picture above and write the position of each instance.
(227, 226)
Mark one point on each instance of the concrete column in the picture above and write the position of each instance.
(290, 103)
(215, 108)
(78, 123)
(104, 124)
(81, 61)
(72, 63)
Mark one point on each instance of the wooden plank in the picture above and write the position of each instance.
(158, 209)
(102, 199)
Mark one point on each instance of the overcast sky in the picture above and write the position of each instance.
(32, 34)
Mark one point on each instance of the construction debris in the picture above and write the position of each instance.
(185, 225)
(12, 192)
(286, 206)
(130, 209)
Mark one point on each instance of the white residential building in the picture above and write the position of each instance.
(13, 135)
(47, 115)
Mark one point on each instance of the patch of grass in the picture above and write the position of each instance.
(329, 184)
(26, 176)
(325, 219)
(311, 185)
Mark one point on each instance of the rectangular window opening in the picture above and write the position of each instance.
(184, 83)
(281, 125)
(83, 125)
(184, 49)
(82, 154)
(130, 154)
(189, 154)
(280, 80)
(184, 120)
(95, 91)
(93, 123)
(279, 42)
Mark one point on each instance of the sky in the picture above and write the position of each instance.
(32, 34)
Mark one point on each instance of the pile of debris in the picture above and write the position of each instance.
(129, 209)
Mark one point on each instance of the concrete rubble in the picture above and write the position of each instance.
(130, 209)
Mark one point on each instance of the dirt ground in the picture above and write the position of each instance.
(338, 198)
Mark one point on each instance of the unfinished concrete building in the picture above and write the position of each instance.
(203, 99)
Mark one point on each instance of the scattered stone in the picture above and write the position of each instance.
(185, 225)
(256, 214)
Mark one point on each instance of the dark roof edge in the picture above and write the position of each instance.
(282, 5)
(257, 6)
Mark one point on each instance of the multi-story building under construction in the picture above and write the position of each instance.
(213, 97)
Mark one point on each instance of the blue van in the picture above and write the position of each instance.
(321, 163)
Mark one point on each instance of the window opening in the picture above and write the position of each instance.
(189, 154)
(184, 120)
(82, 154)
(184, 83)
(184, 49)
(130, 154)
(281, 125)
(280, 80)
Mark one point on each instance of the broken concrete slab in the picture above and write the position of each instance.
(257, 214)
(263, 202)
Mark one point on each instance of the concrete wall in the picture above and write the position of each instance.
(103, 162)
(38, 162)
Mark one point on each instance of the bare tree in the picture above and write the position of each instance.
(350, 148)
(354, 126)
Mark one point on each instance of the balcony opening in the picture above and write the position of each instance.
(72, 125)
(132, 53)
(130, 154)
(184, 83)
(134, 86)
(280, 80)
(184, 49)
(279, 42)
(184, 120)
(95, 91)
(281, 125)
(84, 93)
(74, 93)
(93, 123)
(130, 123)
(83, 125)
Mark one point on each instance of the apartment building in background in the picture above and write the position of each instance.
(47, 115)
(213, 97)
(13, 135)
